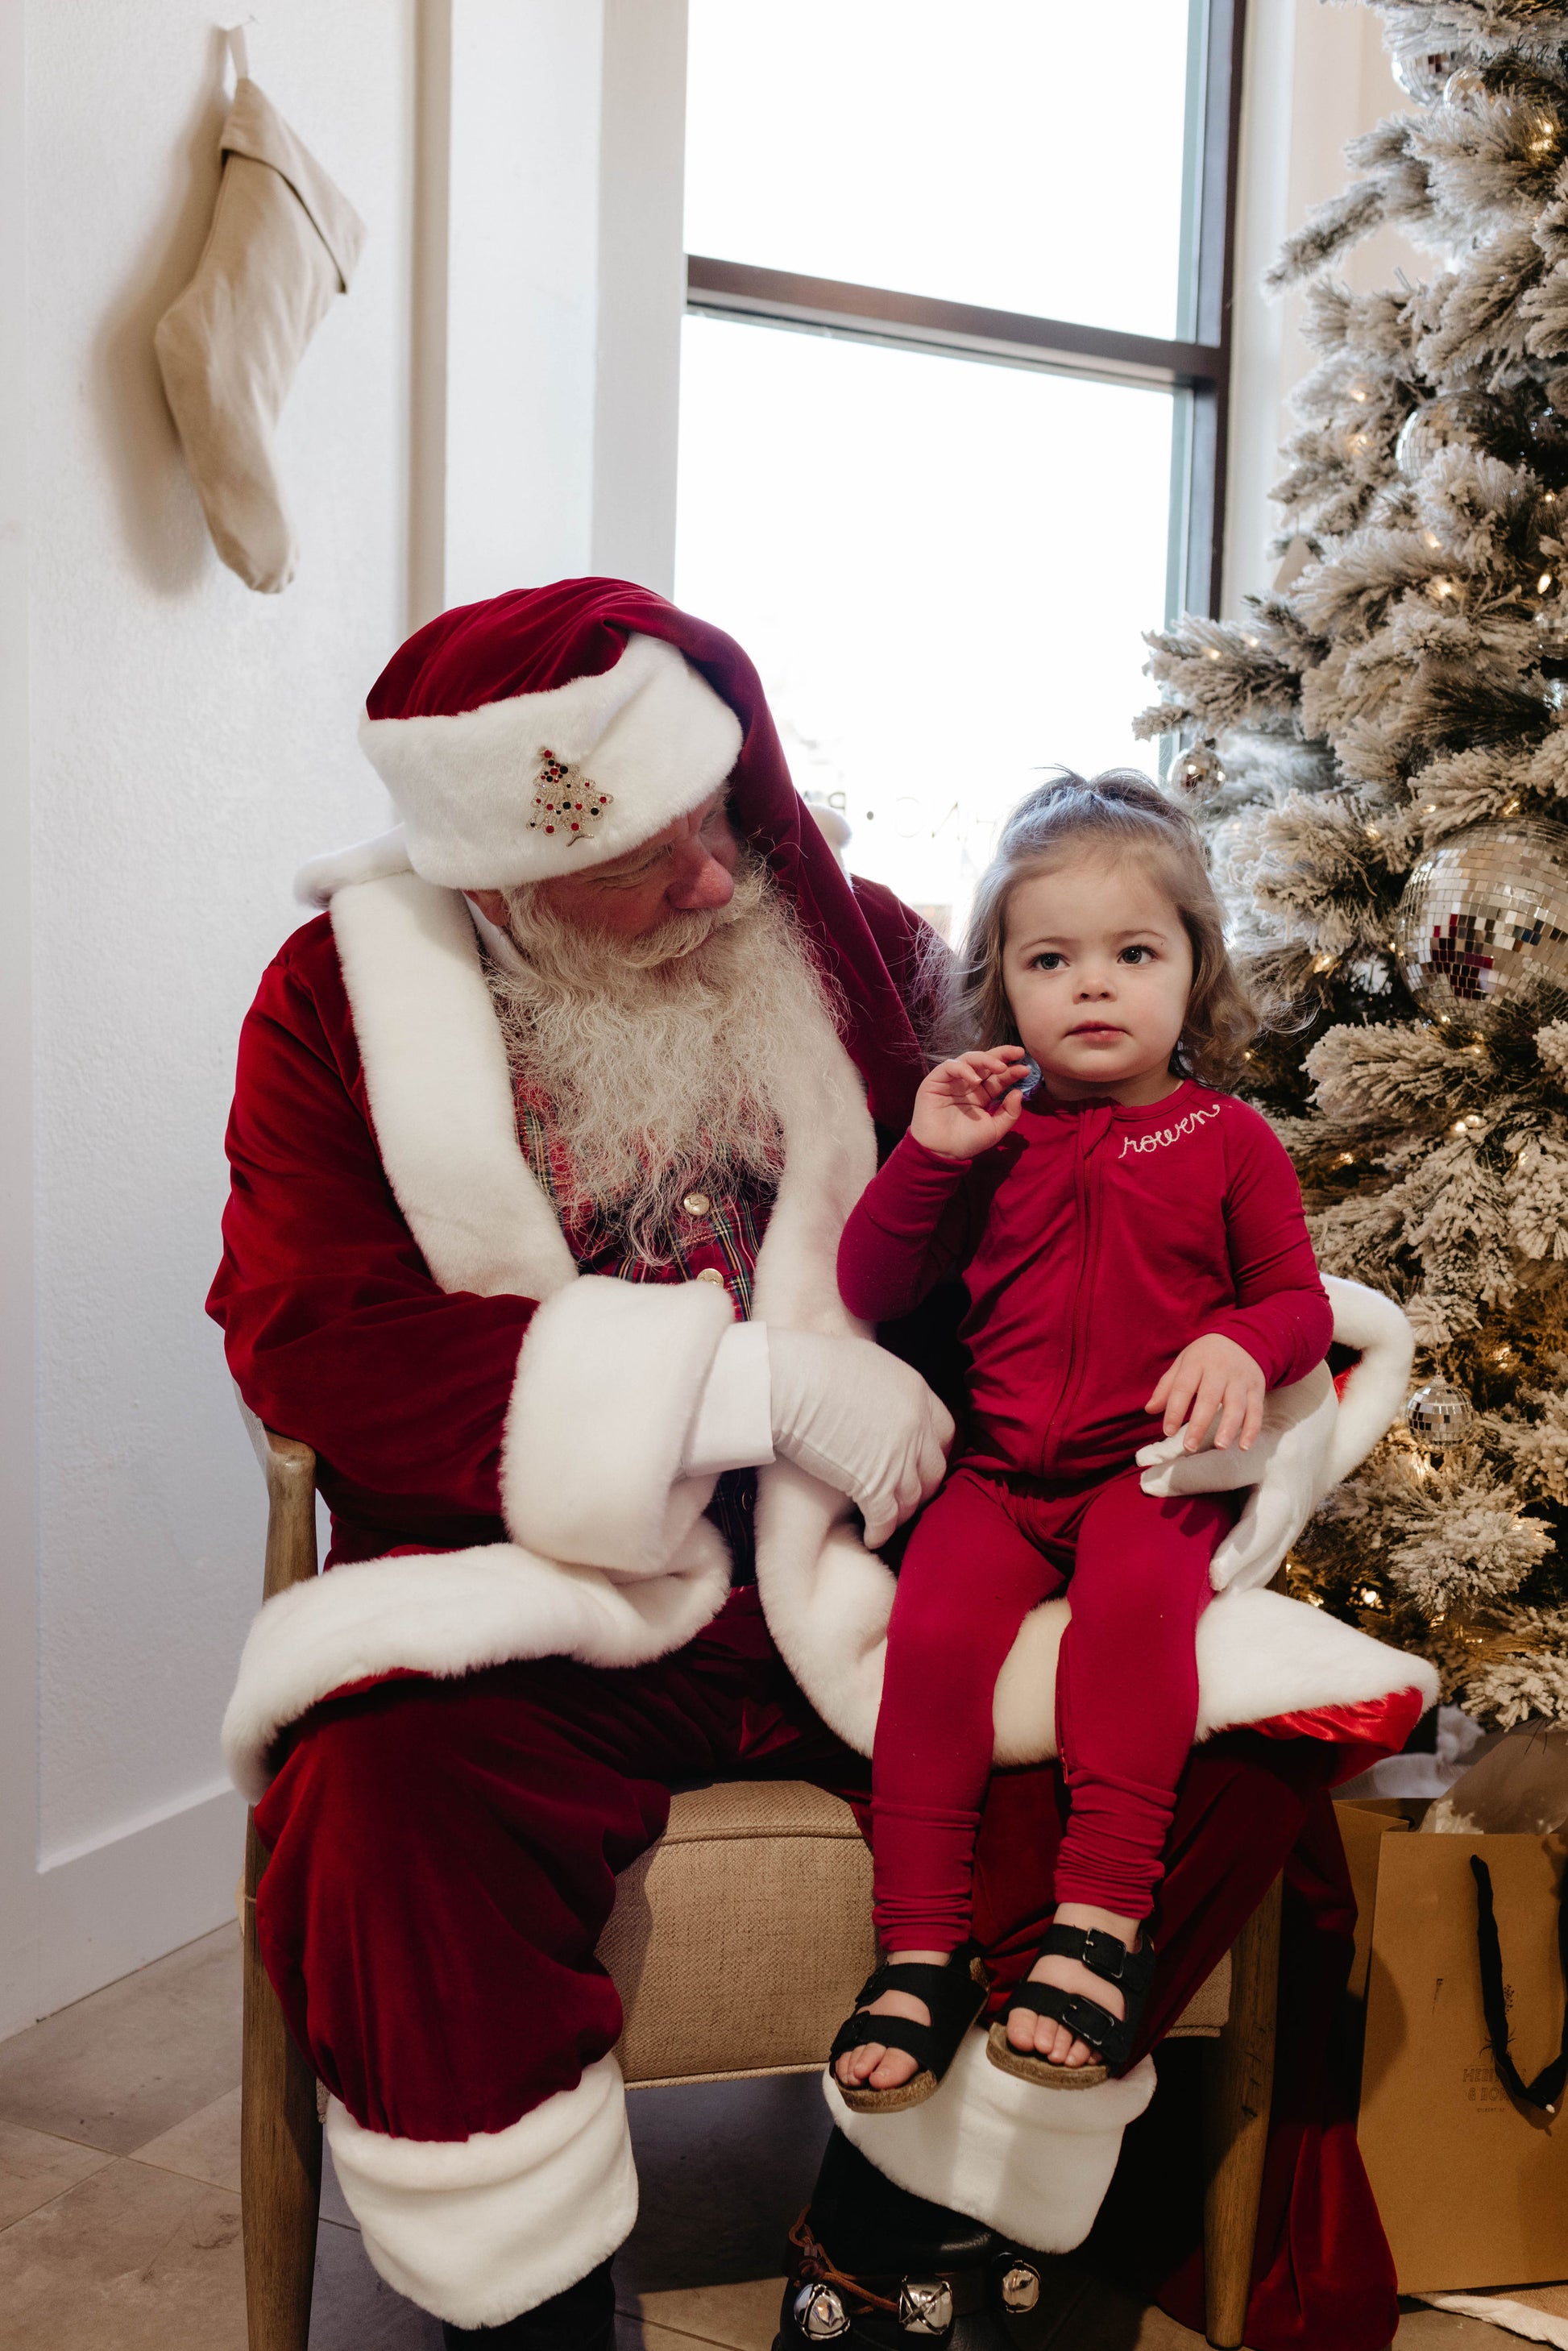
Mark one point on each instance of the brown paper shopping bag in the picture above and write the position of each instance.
(1471, 2179)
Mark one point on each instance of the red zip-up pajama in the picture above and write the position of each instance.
(1095, 1243)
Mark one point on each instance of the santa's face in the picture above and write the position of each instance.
(688, 869)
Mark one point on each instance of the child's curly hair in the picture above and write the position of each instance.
(1120, 813)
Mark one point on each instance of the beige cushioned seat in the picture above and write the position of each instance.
(738, 1942)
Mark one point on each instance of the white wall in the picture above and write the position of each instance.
(186, 741)
(474, 416)
(1313, 78)
(566, 288)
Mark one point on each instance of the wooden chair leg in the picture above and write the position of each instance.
(1238, 2086)
(280, 2152)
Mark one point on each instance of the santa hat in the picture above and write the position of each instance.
(496, 659)
(516, 750)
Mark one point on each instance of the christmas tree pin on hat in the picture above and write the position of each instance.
(284, 243)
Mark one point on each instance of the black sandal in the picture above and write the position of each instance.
(1110, 2037)
(954, 1994)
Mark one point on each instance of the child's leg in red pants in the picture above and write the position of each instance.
(968, 1579)
(1126, 1687)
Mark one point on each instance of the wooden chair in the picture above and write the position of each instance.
(765, 1845)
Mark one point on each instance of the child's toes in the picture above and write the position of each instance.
(896, 2068)
(867, 2058)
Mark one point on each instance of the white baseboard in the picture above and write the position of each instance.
(109, 1906)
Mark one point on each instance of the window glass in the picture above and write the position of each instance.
(942, 567)
(1019, 154)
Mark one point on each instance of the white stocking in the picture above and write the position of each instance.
(283, 242)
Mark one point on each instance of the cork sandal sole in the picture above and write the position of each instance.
(1030, 2068)
(912, 2092)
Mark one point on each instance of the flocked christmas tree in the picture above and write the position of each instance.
(1380, 756)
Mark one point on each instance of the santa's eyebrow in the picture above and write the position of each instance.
(607, 875)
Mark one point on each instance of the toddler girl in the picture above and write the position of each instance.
(1135, 1259)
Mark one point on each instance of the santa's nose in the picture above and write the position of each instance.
(701, 883)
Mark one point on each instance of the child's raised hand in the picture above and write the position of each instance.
(1213, 1375)
(967, 1104)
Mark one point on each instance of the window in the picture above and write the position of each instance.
(953, 385)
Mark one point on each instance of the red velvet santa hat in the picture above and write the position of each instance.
(515, 749)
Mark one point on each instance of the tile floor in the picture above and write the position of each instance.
(119, 2225)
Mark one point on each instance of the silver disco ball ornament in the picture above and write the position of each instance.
(1485, 918)
(1422, 73)
(1438, 1415)
(1463, 84)
(1436, 426)
(1200, 771)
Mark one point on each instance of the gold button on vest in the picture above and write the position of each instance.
(697, 1204)
(711, 1273)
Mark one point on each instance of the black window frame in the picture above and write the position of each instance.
(1199, 367)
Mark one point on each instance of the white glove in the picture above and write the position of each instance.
(1286, 1469)
(861, 1421)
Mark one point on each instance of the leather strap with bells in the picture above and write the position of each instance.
(830, 2299)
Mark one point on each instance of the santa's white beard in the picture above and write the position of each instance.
(667, 1059)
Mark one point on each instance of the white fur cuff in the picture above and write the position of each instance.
(479, 2230)
(1034, 2163)
(609, 1378)
(448, 1613)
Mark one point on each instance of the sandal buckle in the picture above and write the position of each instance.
(924, 2305)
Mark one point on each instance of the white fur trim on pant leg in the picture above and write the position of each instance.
(479, 2230)
(1031, 2162)
(610, 1375)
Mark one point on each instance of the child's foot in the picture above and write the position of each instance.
(1043, 2036)
(872, 2066)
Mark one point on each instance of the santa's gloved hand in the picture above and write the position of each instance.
(1285, 1468)
(861, 1421)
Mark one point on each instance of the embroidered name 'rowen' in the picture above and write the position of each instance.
(566, 801)
(1164, 1134)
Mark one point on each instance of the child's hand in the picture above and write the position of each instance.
(964, 1106)
(1213, 1375)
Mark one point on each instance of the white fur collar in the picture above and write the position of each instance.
(441, 1098)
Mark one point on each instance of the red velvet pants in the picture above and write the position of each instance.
(982, 1555)
(443, 1862)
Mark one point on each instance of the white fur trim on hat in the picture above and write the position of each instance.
(319, 880)
(544, 784)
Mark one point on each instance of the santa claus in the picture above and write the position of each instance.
(542, 1142)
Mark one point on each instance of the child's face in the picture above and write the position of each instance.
(1098, 968)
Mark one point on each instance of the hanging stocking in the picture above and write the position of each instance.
(283, 242)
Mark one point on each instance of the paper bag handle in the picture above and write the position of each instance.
(1546, 2089)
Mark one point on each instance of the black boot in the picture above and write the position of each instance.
(876, 2269)
(580, 2319)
